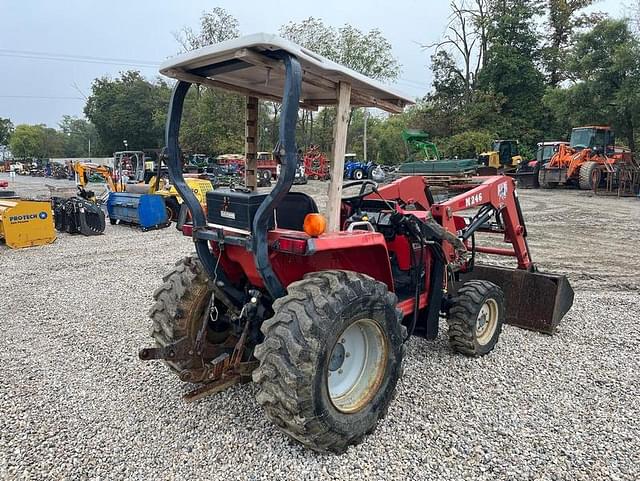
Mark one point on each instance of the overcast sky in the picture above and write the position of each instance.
(41, 90)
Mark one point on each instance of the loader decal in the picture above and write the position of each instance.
(502, 191)
(473, 200)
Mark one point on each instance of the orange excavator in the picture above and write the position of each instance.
(590, 159)
(83, 169)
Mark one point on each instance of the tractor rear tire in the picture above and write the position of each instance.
(179, 306)
(476, 318)
(590, 175)
(331, 324)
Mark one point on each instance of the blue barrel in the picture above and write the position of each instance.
(146, 210)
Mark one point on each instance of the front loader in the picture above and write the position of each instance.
(591, 158)
(317, 309)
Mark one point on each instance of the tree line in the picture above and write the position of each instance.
(520, 69)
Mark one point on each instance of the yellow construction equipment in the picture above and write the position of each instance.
(83, 169)
(503, 157)
(26, 223)
(172, 199)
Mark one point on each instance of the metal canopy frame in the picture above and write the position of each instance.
(268, 67)
(252, 66)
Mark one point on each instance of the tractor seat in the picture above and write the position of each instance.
(293, 209)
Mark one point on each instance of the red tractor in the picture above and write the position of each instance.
(319, 318)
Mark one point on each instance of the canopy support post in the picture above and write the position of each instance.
(339, 149)
(251, 143)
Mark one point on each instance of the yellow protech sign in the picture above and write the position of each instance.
(26, 223)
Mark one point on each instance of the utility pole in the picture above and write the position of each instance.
(365, 134)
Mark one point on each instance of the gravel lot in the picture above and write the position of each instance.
(76, 403)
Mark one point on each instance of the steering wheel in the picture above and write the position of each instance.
(355, 201)
(364, 191)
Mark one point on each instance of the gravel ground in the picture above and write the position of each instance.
(76, 403)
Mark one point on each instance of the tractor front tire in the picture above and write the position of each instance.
(589, 176)
(179, 306)
(476, 317)
(358, 174)
(330, 359)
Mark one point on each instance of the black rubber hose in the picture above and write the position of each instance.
(419, 268)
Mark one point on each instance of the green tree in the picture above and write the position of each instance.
(369, 52)
(213, 120)
(213, 123)
(511, 70)
(606, 65)
(6, 129)
(80, 137)
(128, 108)
(466, 145)
(216, 26)
(36, 141)
(465, 39)
(563, 19)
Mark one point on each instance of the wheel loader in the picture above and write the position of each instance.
(317, 309)
(591, 158)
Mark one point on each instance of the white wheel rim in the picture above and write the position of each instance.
(487, 321)
(356, 366)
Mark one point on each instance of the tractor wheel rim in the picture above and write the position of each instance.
(487, 321)
(357, 365)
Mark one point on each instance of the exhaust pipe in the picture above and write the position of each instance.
(534, 300)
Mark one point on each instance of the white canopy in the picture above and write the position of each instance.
(247, 65)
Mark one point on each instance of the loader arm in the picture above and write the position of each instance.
(534, 300)
(499, 193)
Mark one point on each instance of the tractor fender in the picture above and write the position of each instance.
(361, 251)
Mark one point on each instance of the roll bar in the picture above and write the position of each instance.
(260, 248)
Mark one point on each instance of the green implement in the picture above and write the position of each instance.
(418, 145)
(424, 158)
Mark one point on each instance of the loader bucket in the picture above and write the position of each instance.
(534, 300)
(526, 180)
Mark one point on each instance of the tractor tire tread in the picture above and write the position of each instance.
(585, 179)
(463, 315)
(173, 300)
(293, 339)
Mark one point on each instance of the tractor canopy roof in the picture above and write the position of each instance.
(249, 65)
